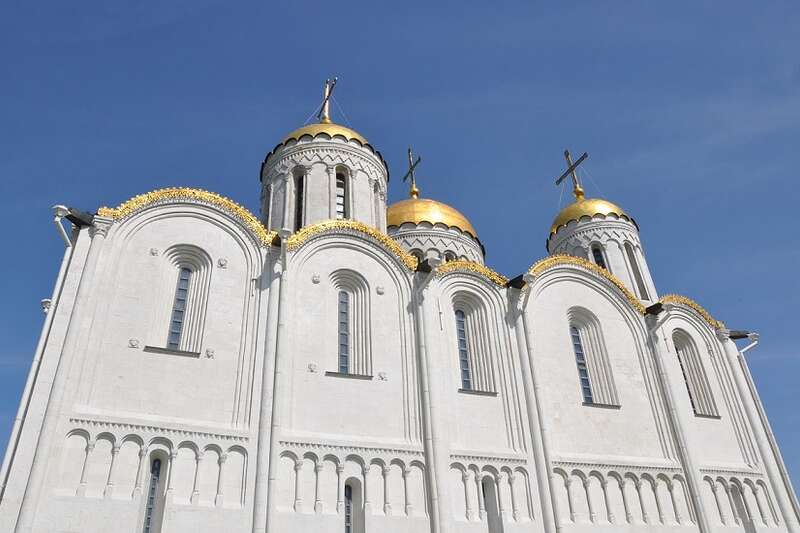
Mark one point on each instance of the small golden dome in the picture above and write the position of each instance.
(587, 207)
(416, 210)
(328, 128)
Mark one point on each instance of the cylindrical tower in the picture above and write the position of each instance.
(321, 172)
(606, 235)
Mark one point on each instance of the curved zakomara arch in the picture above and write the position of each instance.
(243, 217)
(356, 229)
(682, 302)
(476, 269)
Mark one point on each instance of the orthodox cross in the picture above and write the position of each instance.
(577, 190)
(324, 114)
(412, 165)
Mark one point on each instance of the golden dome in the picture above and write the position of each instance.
(416, 210)
(329, 129)
(587, 207)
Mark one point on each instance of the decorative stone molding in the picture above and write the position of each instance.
(474, 268)
(186, 194)
(351, 227)
(676, 299)
(543, 265)
(123, 427)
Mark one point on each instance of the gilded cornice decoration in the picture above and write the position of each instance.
(142, 201)
(476, 268)
(547, 263)
(351, 227)
(688, 302)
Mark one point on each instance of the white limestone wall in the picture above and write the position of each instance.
(318, 160)
(434, 241)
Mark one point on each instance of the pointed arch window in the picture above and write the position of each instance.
(591, 358)
(694, 375)
(342, 204)
(599, 256)
(637, 274)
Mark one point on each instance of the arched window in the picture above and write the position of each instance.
(342, 207)
(694, 376)
(583, 370)
(354, 334)
(299, 181)
(474, 343)
(344, 332)
(179, 325)
(353, 507)
(418, 254)
(449, 256)
(591, 357)
(637, 274)
(179, 308)
(153, 509)
(599, 256)
(463, 355)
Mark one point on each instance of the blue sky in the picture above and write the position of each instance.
(690, 112)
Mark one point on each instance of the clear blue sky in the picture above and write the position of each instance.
(690, 113)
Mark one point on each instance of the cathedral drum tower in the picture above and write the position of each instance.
(338, 365)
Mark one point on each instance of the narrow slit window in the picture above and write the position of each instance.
(348, 509)
(463, 354)
(298, 201)
(344, 332)
(637, 274)
(583, 370)
(599, 258)
(152, 495)
(179, 309)
(341, 196)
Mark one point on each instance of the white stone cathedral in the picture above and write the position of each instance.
(339, 366)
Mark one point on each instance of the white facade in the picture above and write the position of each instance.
(318, 375)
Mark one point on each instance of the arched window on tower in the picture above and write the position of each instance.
(599, 256)
(694, 376)
(299, 186)
(637, 274)
(449, 256)
(342, 203)
(594, 367)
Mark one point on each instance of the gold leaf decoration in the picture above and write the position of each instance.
(469, 266)
(562, 259)
(677, 299)
(352, 227)
(142, 201)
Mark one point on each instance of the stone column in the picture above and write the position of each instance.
(318, 468)
(470, 514)
(408, 507)
(140, 473)
(367, 495)
(298, 499)
(198, 463)
(723, 516)
(514, 503)
(109, 492)
(219, 499)
(173, 456)
(610, 514)
(481, 504)
(339, 489)
(645, 517)
(501, 502)
(387, 506)
(84, 470)
(592, 514)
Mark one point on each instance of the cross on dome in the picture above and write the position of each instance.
(413, 192)
(324, 114)
(577, 190)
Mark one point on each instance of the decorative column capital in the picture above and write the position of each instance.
(339, 468)
(298, 465)
(222, 459)
(100, 226)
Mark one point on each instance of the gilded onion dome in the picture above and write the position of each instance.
(326, 128)
(587, 207)
(415, 210)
